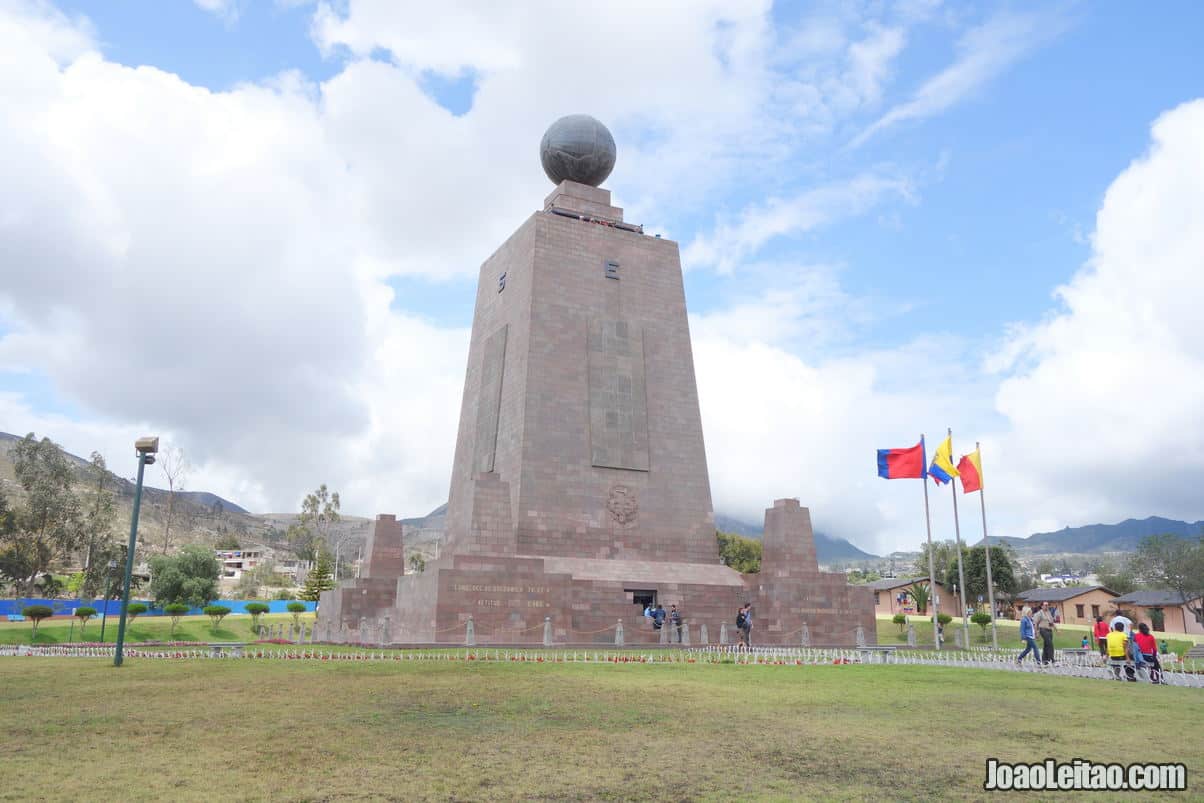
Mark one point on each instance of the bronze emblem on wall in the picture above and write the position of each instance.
(622, 505)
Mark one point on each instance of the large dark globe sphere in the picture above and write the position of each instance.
(577, 148)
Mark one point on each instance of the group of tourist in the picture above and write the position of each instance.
(657, 616)
(1128, 651)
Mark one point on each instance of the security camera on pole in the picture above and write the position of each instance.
(146, 448)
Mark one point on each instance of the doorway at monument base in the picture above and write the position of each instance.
(509, 598)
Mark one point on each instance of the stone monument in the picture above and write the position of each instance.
(579, 489)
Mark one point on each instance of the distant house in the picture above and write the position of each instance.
(1176, 616)
(892, 595)
(1076, 605)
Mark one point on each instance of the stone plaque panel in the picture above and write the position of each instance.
(618, 406)
(490, 398)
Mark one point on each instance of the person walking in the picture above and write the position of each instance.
(1101, 635)
(1028, 635)
(1044, 622)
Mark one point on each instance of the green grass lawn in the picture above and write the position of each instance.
(1008, 633)
(143, 628)
(256, 730)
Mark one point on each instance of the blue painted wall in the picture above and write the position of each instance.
(66, 606)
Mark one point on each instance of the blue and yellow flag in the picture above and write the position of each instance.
(942, 469)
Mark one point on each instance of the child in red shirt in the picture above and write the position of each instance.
(1101, 635)
(1149, 651)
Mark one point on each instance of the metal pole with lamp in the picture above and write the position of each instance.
(104, 611)
(146, 448)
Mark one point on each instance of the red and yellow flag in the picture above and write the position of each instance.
(969, 468)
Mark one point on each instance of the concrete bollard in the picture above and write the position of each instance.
(685, 634)
(547, 631)
(664, 634)
(957, 638)
(806, 635)
(470, 633)
(723, 634)
(911, 635)
(619, 634)
(362, 635)
(388, 630)
(860, 636)
(702, 634)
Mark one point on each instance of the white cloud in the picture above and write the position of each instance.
(226, 10)
(983, 52)
(1105, 397)
(731, 244)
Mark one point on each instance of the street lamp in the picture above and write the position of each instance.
(146, 448)
(104, 611)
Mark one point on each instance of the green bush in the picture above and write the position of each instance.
(216, 613)
(944, 618)
(900, 619)
(134, 610)
(296, 609)
(284, 593)
(84, 613)
(982, 619)
(36, 613)
(256, 609)
(175, 610)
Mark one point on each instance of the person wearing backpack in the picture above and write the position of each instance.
(744, 625)
(658, 617)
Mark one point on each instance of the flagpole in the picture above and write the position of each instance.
(987, 545)
(933, 597)
(957, 532)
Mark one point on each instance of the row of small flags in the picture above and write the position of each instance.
(910, 462)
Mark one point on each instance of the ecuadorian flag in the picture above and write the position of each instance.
(942, 468)
(899, 464)
(970, 469)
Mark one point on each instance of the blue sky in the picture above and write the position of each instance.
(942, 166)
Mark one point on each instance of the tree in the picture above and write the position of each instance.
(135, 609)
(47, 526)
(319, 514)
(319, 579)
(84, 613)
(216, 614)
(740, 553)
(189, 577)
(1177, 564)
(944, 554)
(174, 466)
(35, 614)
(417, 563)
(921, 592)
(227, 541)
(1119, 579)
(256, 609)
(98, 526)
(974, 562)
(176, 611)
(296, 609)
(900, 619)
(982, 619)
